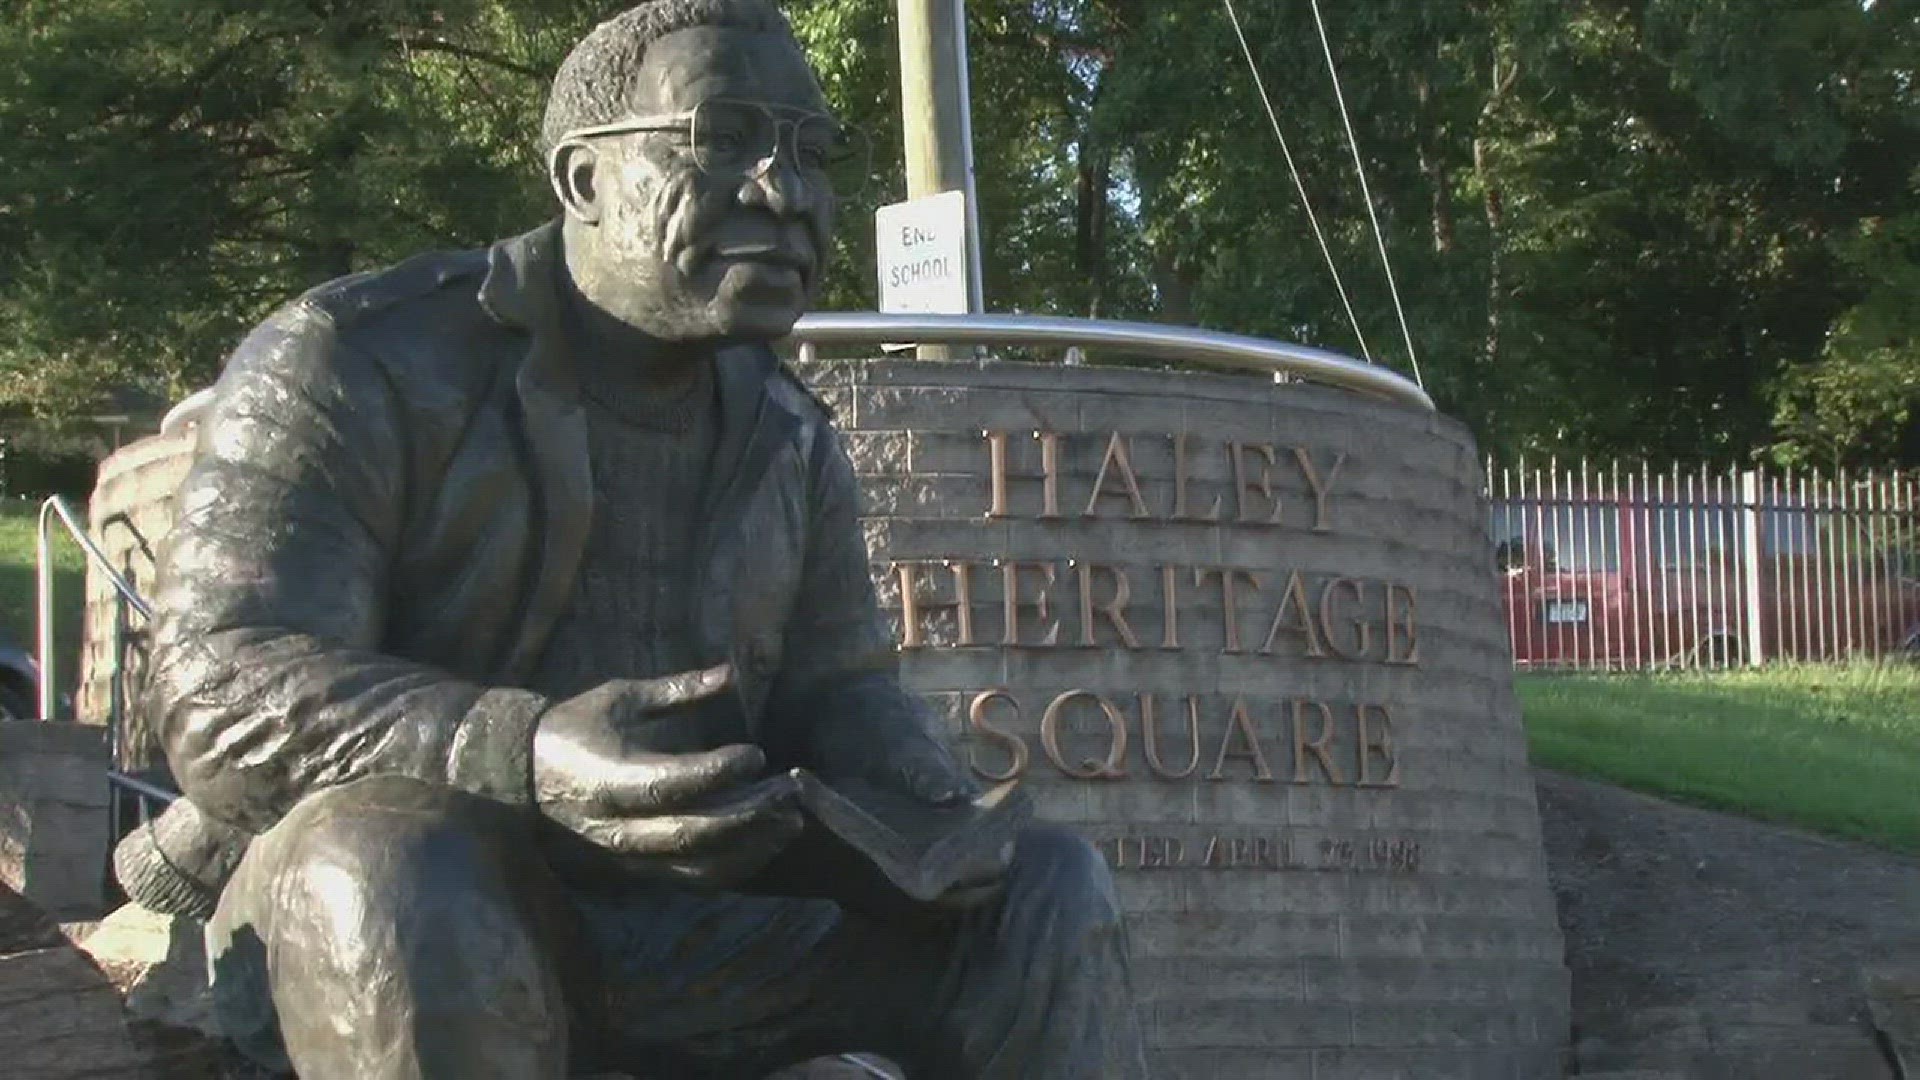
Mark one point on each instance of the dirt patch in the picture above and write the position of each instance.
(1717, 947)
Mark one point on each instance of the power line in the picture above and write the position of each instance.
(1379, 238)
(1298, 184)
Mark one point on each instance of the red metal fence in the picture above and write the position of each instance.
(1621, 569)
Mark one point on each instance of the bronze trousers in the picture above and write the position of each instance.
(390, 928)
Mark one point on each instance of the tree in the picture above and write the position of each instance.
(1667, 228)
(1678, 174)
(175, 168)
(1859, 405)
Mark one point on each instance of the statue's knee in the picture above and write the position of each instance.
(382, 887)
(386, 898)
(381, 847)
(1066, 873)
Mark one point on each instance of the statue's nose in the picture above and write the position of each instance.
(777, 186)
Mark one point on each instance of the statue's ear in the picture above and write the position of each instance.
(573, 169)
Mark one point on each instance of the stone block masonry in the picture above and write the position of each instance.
(131, 508)
(1246, 637)
(53, 815)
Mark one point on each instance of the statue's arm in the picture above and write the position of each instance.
(839, 691)
(266, 677)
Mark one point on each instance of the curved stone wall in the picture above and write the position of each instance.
(1247, 638)
(1310, 780)
(131, 508)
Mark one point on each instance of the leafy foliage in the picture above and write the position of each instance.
(1859, 404)
(1671, 228)
(177, 167)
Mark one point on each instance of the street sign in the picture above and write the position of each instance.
(922, 249)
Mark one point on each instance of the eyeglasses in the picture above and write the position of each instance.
(742, 138)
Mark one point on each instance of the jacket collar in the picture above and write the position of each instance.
(522, 290)
(521, 286)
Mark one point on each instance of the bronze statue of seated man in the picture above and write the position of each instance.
(506, 588)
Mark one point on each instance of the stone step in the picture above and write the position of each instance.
(61, 1020)
(53, 835)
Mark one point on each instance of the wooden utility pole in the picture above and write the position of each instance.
(937, 118)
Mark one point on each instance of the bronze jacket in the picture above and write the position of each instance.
(384, 518)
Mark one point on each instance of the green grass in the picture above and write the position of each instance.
(17, 590)
(1830, 748)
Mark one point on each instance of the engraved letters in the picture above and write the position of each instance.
(1260, 475)
(1263, 613)
(1087, 736)
(1227, 851)
(1231, 610)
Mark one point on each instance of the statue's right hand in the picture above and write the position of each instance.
(698, 818)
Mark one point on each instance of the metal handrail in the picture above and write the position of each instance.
(1171, 342)
(56, 507)
(187, 412)
(147, 791)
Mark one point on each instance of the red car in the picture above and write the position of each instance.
(1651, 583)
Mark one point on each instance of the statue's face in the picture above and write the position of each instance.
(687, 253)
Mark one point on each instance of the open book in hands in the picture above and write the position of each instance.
(887, 855)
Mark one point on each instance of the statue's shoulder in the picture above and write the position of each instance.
(419, 322)
(373, 296)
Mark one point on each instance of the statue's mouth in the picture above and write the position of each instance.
(776, 265)
(772, 254)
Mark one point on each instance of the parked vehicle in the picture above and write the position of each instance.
(1628, 581)
(19, 683)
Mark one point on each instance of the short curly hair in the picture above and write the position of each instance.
(594, 81)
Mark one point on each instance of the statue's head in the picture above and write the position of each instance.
(692, 152)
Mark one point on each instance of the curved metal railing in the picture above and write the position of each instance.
(1211, 347)
(187, 412)
(146, 791)
(126, 598)
(56, 509)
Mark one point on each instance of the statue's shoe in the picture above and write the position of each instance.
(177, 863)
